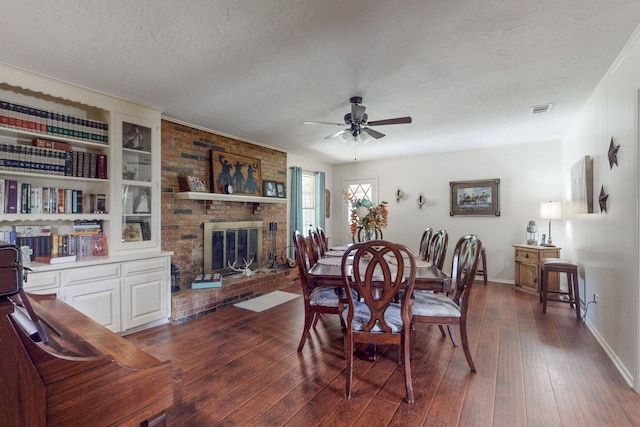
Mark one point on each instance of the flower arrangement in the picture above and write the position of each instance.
(364, 213)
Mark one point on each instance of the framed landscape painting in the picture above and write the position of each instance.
(475, 198)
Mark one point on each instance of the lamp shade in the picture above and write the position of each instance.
(551, 210)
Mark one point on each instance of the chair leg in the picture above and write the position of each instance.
(465, 346)
(308, 318)
(406, 365)
(444, 334)
(349, 339)
(316, 317)
(543, 290)
(576, 293)
(452, 335)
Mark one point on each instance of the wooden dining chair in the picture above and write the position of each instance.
(317, 300)
(360, 235)
(424, 243)
(439, 309)
(322, 237)
(315, 246)
(377, 272)
(437, 251)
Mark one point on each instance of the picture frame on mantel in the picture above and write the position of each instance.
(243, 173)
(270, 189)
(475, 198)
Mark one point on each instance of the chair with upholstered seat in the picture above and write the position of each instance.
(317, 300)
(377, 319)
(438, 309)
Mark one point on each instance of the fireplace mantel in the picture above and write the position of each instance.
(194, 195)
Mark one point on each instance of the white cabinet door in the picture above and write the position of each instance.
(98, 300)
(145, 298)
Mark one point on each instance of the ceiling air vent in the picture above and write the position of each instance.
(538, 109)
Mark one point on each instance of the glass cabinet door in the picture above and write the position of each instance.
(138, 182)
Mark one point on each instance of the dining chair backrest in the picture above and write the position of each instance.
(385, 268)
(303, 259)
(314, 246)
(377, 273)
(361, 234)
(423, 251)
(323, 239)
(463, 268)
(438, 248)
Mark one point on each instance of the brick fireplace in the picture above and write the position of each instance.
(185, 151)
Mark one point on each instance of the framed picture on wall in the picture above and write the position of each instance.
(280, 189)
(244, 174)
(475, 198)
(270, 189)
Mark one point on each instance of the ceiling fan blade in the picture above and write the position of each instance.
(337, 134)
(308, 122)
(396, 121)
(373, 133)
(357, 112)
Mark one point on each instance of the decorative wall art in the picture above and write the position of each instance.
(244, 174)
(613, 154)
(602, 199)
(475, 198)
(280, 190)
(582, 186)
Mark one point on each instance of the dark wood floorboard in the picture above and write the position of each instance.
(242, 368)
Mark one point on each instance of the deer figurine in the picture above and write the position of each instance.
(246, 271)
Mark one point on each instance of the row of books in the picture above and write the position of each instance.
(50, 247)
(23, 117)
(24, 198)
(49, 161)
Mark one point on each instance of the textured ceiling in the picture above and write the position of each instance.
(468, 72)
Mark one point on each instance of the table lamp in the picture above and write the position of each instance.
(550, 210)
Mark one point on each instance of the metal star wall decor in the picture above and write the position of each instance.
(603, 200)
(613, 154)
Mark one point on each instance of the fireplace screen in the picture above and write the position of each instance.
(229, 242)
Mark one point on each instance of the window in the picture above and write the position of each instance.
(308, 202)
(363, 189)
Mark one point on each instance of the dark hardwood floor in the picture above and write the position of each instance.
(242, 368)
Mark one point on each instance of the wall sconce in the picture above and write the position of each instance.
(399, 194)
(421, 200)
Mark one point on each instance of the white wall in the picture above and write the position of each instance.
(528, 173)
(605, 245)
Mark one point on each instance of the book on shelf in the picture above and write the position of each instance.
(12, 196)
(53, 145)
(55, 259)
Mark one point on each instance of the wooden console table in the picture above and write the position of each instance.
(528, 263)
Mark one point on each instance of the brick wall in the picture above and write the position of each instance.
(185, 151)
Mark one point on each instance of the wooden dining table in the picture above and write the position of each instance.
(428, 277)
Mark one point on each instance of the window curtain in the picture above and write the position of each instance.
(320, 202)
(296, 204)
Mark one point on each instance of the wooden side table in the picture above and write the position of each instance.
(528, 264)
